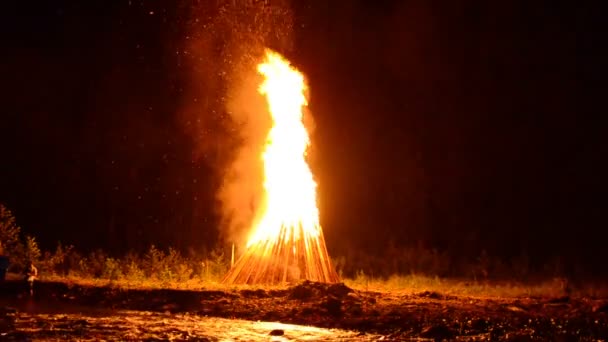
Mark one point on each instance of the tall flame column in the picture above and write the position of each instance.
(287, 241)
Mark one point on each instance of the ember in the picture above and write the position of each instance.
(287, 242)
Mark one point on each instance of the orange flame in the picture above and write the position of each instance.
(287, 242)
(290, 190)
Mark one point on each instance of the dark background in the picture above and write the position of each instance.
(464, 127)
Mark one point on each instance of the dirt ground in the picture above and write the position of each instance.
(365, 315)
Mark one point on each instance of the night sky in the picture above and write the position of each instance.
(460, 126)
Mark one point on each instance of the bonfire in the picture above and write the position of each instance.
(286, 242)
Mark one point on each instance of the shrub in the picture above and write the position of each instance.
(32, 251)
(153, 262)
(84, 268)
(132, 267)
(183, 272)
(216, 264)
(96, 264)
(134, 272)
(10, 243)
(111, 269)
(339, 263)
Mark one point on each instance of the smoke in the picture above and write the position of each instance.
(242, 186)
(229, 119)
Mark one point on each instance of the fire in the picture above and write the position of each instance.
(287, 242)
(288, 183)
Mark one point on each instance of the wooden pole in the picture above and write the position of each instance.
(232, 257)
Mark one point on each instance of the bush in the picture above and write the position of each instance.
(134, 272)
(153, 262)
(10, 243)
(32, 251)
(216, 265)
(61, 261)
(96, 264)
(111, 269)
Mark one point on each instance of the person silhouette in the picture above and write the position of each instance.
(31, 273)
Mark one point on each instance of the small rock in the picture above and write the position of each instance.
(353, 297)
(81, 322)
(355, 310)
(333, 306)
(479, 324)
(339, 290)
(564, 299)
(259, 293)
(277, 332)
(438, 332)
(301, 292)
(431, 295)
(169, 307)
(515, 308)
(308, 311)
(600, 308)
(496, 333)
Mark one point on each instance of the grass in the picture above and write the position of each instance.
(400, 270)
(410, 284)
(159, 269)
(396, 284)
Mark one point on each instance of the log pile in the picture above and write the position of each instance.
(292, 257)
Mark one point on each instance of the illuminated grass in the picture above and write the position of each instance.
(148, 283)
(556, 287)
(410, 284)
